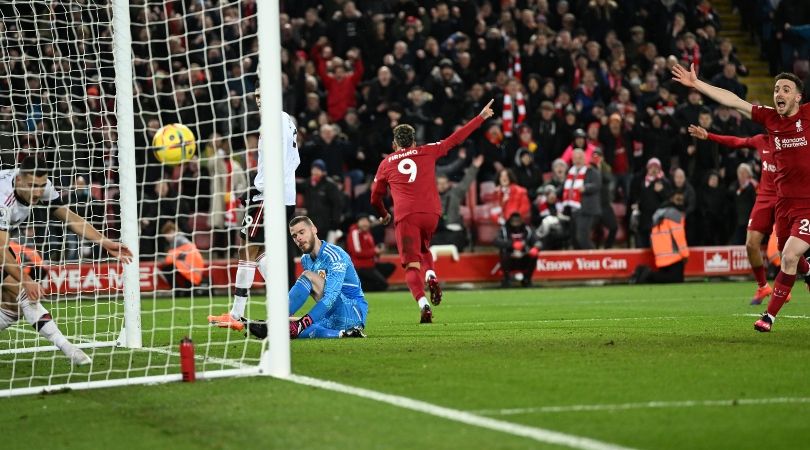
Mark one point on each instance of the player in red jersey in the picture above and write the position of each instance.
(410, 172)
(787, 125)
(763, 215)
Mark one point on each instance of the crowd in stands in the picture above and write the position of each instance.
(589, 137)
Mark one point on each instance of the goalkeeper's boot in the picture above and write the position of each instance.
(76, 355)
(227, 321)
(764, 323)
(427, 315)
(435, 290)
(761, 294)
(353, 332)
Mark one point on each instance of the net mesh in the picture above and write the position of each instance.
(194, 63)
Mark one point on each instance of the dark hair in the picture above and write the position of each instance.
(34, 166)
(404, 135)
(791, 77)
(298, 219)
(509, 174)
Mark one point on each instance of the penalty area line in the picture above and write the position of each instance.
(468, 418)
(645, 405)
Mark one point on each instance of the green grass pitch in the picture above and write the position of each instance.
(586, 361)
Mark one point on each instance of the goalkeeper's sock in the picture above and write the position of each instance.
(759, 274)
(7, 319)
(260, 264)
(299, 293)
(39, 317)
(781, 289)
(413, 277)
(804, 267)
(244, 280)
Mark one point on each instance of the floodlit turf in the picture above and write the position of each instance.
(600, 354)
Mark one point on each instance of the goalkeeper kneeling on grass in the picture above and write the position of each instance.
(330, 278)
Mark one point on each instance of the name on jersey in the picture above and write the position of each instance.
(789, 143)
(396, 156)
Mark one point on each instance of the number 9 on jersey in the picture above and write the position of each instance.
(407, 167)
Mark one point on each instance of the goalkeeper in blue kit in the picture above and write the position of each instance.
(330, 278)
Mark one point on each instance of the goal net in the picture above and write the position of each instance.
(192, 63)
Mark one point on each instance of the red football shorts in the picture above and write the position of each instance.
(792, 219)
(413, 236)
(763, 216)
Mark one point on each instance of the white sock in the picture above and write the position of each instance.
(33, 312)
(244, 280)
(429, 273)
(422, 302)
(7, 319)
(260, 264)
(773, 319)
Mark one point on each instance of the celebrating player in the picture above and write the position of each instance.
(251, 254)
(763, 215)
(21, 189)
(330, 278)
(410, 171)
(786, 124)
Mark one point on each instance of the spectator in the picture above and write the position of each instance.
(527, 173)
(648, 192)
(712, 204)
(745, 194)
(581, 195)
(607, 217)
(559, 172)
(339, 81)
(580, 142)
(548, 136)
(365, 252)
(518, 248)
(728, 80)
(229, 184)
(554, 232)
(701, 156)
(680, 185)
(323, 201)
(450, 229)
(91, 209)
(159, 206)
(617, 149)
(511, 198)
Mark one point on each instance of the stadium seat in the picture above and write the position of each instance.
(488, 189)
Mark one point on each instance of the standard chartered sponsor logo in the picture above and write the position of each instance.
(793, 142)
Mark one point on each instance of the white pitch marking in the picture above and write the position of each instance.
(644, 405)
(781, 316)
(537, 434)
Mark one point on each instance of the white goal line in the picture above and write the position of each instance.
(643, 405)
(468, 418)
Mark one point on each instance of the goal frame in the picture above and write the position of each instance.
(275, 363)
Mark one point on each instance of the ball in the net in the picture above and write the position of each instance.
(174, 144)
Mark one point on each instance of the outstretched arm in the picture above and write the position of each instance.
(379, 189)
(462, 133)
(82, 228)
(689, 78)
(726, 141)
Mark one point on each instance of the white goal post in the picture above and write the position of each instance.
(112, 71)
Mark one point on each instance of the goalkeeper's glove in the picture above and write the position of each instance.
(297, 326)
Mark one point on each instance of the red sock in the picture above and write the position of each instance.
(781, 289)
(803, 266)
(416, 284)
(427, 261)
(759, 274)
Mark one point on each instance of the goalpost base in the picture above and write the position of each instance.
(150, 380)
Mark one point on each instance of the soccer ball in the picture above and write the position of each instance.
(174, 144)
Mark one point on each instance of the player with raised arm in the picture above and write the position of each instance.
(787, 125)
(251, 254)
(763, 215)
(330, 278)
(20, 190)
(410, 172)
